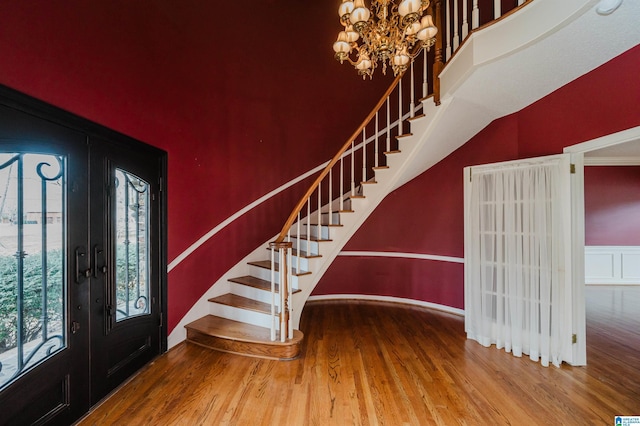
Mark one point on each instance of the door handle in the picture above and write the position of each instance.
(81, 274)
(97, 252)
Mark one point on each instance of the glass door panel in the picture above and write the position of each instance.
(125, 290)
(32, 261)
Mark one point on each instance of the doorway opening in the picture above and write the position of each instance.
(610, 258)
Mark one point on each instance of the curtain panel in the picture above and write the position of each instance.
(516, 285)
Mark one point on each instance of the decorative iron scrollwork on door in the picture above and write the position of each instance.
(132, 245)
(32, 261)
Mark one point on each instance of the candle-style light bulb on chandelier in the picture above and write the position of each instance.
(385, 32)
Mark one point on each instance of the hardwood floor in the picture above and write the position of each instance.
(383, 364)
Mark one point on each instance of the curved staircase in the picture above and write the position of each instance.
(240, 320)
(243, 310)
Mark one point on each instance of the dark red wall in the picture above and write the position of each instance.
(244, 106)
(431, 205)
(612, 206)
(242, 101)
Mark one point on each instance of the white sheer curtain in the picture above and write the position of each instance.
(516, 290)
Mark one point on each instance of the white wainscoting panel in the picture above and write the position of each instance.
(612, 264)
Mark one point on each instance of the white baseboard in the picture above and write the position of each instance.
(399, 300)
(614, 265)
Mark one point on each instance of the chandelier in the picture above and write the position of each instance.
(387, 33)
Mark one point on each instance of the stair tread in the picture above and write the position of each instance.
(212, 325)
(426, 98)
(311, 238)
(256, 282)
(406, 135)
(266, 264)
(303, 253)
(234, 300)
(396, 151)
(327, 224)
(416, 117)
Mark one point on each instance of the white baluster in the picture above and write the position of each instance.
(388, 124)
(309, 225)
(298, 241)
(331, 196)
(448, 49)
(497, 9)
(425, 83)
(353, 168)
(376, 148)
(341, 193)
(273, 294)
(475, 15)
(412, 108)
(400, 107)
(364, 154)
(319, 205)
(456, 36)
(465, 22)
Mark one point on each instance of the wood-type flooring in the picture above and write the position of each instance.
(383, 364)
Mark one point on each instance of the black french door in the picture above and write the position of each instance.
(124, 237)
(82, 255)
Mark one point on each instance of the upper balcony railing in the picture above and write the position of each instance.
(366, 150)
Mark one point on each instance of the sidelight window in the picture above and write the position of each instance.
(132, 245)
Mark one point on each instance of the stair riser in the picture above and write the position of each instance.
(312, 230)
(304, 263)
(265, 350)
(242, 315)
(265, 274)
(311, 247)
(253, 293)
(335, 218)
(335, 206)
(322, 232)
(303, 266)
(419, 125)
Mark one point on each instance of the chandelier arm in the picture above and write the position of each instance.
(417, 49)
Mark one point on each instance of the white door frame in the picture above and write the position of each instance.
(578, 152)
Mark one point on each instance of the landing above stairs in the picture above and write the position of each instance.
(239, 338)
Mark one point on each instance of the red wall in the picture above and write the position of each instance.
(238, 123)
(431, 205)
(612, 206)
(242, 102)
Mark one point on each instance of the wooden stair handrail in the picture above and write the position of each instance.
(436, 75)
(334, 160)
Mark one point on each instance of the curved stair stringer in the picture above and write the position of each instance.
(221, 286)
